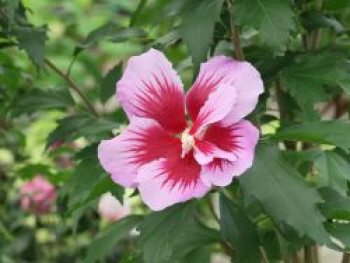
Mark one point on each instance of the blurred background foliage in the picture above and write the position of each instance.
(59, 61)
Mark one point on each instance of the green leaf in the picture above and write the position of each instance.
(201, 255)
(192, 237)
(166, 40)
(306, 77)
(272, 18)
(172, 233)
(137, 12)
(283, 195)
(197, 28)
(5, 233)
(313, 20)
(322, 132)
(85, 181)
(7, 44)
(109, 31)
(333, 170)
(108, 84)
(38, 99)
(126, 34)
(337, 5)
(340, 231)
(96, 35)
(75, 126)
(237, 228)
(10, 9)
(106, 241)
(67, 128)
(29, 171)
(104, 185)
(32, 40)
(335, 206)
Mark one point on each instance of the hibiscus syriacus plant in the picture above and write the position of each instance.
(178, 146)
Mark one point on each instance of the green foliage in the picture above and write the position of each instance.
(104, 244)
(237, 228)
(313, 20)
(307, 76)
(72, 127)
(197, 28)
(274, 183)
(32, 40)
(274, 19)
(335, 206)
(38, 99)
(108, 82)
(333, 171)
(171, 234)
(320, 132)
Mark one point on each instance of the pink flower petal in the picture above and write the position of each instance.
(165, 182)
(111, 209)
(223, 70)
(240, 139)
(219, 173)
(151, 88)
(143, 141)
(205, 152)
(216, 108)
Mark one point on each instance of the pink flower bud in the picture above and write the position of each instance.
(37, 195)
(111, 209)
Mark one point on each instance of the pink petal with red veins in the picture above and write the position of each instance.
(223, 70)
(165, 182)
(216, 108)
(205, 152)
(240, 139)
(219, 173)
(150, 88)
(143, 141)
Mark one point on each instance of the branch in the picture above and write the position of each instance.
(346, 258)
(235, 35)
(236, 41)
(72, 85)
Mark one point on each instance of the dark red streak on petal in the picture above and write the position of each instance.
(222, 137)
(204, 147)
(164, 103)
(151, 144)
(184, 171)
(199, 93)
(217, 164)
(199, 121)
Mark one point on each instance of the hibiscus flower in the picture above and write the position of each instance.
(178, 146)
(38, 195)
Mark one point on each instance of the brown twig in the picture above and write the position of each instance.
(308, 254)
(346, 258)
(295, 258)
(72, 85)
(236, 41)
(315, 39)
(235, 35)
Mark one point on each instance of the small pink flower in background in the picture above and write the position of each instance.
(111, 209)
(38, 195)
(168, 157)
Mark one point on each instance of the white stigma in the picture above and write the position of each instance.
(187, 141)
